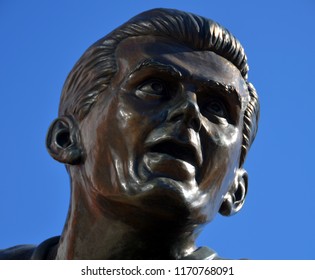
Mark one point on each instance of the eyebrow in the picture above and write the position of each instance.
(154, 64)
(173, 71)
(222, 87)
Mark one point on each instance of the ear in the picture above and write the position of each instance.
(63, 141)
(235, 197)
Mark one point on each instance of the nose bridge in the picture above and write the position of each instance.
(187, 110)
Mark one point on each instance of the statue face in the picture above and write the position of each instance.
(167, 133)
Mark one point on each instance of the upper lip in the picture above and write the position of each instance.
(167, 141)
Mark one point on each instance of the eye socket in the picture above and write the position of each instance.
(152, 89)
(217, 108)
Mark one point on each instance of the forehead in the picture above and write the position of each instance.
(194, 65)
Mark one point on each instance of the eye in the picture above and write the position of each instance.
(152, 90)
(153, 87)
(217, 108)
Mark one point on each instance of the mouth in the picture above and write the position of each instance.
(177, 150)
(172, 152)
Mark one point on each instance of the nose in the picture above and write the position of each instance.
(186, 110)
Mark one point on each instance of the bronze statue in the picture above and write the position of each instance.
(155, 121)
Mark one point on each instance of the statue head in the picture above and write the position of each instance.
(156, 119)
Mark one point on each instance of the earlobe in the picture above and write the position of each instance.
(63, 141)
(235, 197)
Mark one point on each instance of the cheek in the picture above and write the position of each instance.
(98, 135)
(131, 128)
(221, 150)
(219, 174)
(223, 136)
(219, 145)
(136, 120)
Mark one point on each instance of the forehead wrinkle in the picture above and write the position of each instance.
(151, 63)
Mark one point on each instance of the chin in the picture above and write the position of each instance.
(160, 202)
(173, 201)
(171, 187)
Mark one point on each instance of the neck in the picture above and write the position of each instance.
(91, 234)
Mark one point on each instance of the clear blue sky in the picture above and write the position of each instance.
(41, 41)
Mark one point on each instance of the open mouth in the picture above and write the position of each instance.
(184, 152)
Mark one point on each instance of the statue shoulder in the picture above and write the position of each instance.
(45, 250)
(19, 252)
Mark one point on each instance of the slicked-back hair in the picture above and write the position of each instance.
(93, 72)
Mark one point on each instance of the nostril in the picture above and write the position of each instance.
(188, 113)
(191, 121)
(195, 124)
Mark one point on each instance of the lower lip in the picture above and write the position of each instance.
(164, 165)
